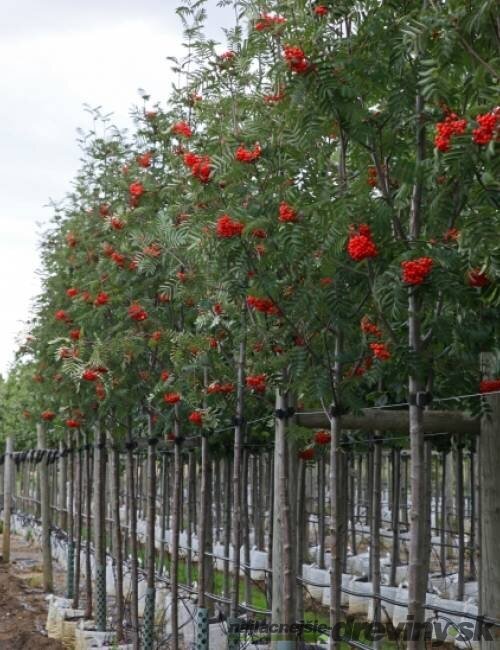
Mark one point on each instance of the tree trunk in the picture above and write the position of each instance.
(70, 582)
(43, 472)
(100, 526)
(117, 539)
(174, 560)
(7, 497)
(443, 537)
(489, 583)
(375, 534)
(132, 499)
(396, 493)
(321, 511)
(336, 526)
(149, 610)
(301, 537)
(283, 603)
(460, 518)
(88, 521)
(78, 521)
(227, 529)
(238, 441)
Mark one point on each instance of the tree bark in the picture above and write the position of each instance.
(489, 583)
(43, 472)
(7, 497)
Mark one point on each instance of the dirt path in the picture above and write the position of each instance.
(23, 608)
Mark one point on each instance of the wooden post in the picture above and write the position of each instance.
(489, 449)
(7, 497)
(43, 474)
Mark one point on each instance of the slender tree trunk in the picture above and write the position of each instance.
(70, 578)
(245, 515)
(202, 525)
(191, 497)
(117, 539)
(284, 578)
(336, 531)
(43, 472)
(227, 529)
(174, 563)
(100, 526)
(352, 501)
(321, 511)
(375, 533)
(7, 497)
(443, 537)
(238, 442)
(78, 520)
(163, 515)
(489, 449)
(473, 513)
(63, 482)
(132, 499)
(460, 518)
(395, 516)
(301, 537)
(88, 522)
(149, 610)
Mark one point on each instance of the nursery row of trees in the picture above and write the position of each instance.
(309, 224)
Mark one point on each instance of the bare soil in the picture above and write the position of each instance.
(23, 608)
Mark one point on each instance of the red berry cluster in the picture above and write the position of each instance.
(200, 166)
(372, 176)
(296, 59)
(489, 385)
(320, 10)
(136, 312)
(144, 159)
(361, 245)
(370, 328)
(488, 125)
(182, 128)
(286, 213)
(416, 271)
(171, 398)
(227, 227)
(102, 298)
(450, 126)
(322, 438)
(72, 423)
(248, 155)
(256, 383)
(380, 351)
(306, 454)
(48, 416)
(264, 305)
(268, 21)
(216, 388)
(136, 190)
(196, 418)
(476, 278)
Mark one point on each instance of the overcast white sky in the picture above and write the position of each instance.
(54, 57)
